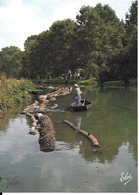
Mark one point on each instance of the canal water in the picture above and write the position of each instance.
(75, 166)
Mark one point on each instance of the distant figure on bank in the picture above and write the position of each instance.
(78, 98)
(70, 74)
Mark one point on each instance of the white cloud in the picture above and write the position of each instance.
(20, 19)
(70, 8)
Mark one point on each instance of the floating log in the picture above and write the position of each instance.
(59, 92)
(51, 87)
(45, 102)
(42, 97)
(93, 140)
(47, 133)
(54, 107)
(54, 93)
(42, 108)
(30, 108)
(52, 98)
(64, 91)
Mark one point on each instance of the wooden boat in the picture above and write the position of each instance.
(85, 105)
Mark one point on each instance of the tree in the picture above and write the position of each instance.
(61, 37)
(128, 62)
(33, 56)
(97, 42)
(11, 61)
(98, 37)
(48, 54)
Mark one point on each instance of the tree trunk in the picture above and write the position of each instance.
(93, 140)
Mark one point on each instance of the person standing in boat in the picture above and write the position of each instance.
(78, 98)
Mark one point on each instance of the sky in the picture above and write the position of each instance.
(20, 19)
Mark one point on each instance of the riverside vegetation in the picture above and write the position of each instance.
(13, 91)
(98, 42)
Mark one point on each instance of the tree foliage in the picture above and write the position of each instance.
(98, 42)
(11, 61)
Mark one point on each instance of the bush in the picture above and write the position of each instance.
(13, 91)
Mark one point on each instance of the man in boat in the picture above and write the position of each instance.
(78, 98)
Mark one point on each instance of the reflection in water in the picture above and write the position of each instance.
(79, 120)
(75, 167)
(47, 134)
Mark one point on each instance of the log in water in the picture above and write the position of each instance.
(47, 134)
(93, 140)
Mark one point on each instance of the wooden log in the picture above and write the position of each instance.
(42, 108)
(47, 133)
(63, 91)
(59, 92)
(54, 93)
(54, 107)
(31, 107)
(93, 140)
(51, 87)
(52, 98)
(45, 102)
(42, 97)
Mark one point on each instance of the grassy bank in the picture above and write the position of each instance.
(132, 82)
(55, 81)
(13, 91)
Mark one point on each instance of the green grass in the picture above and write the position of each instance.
(132, 82)
(13, 91)
(91, 81)
(114, 83)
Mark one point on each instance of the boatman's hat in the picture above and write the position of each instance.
(75, 85)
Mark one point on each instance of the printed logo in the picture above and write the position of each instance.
(125, 178)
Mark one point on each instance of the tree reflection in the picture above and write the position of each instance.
(112, 120)
(10, 114)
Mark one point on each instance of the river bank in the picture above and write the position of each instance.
(13, 91)
(57, 81)
(92, 81)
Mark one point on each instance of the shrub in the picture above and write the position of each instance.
(13, 91)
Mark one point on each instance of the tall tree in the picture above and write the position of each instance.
(49, 53)
(128, 61)
(61, 36)
(98, 42)
(11, 61)
(98, 38)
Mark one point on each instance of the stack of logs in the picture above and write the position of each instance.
(37, 113)
(46, 132)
